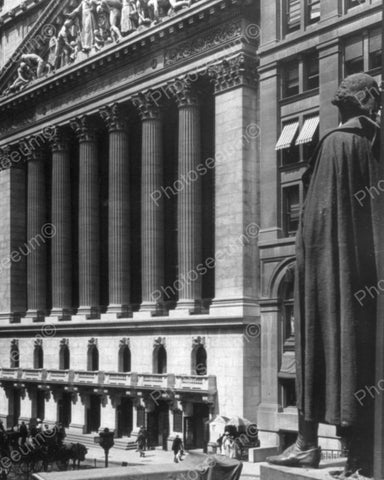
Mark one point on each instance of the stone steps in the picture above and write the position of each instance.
(125, 443)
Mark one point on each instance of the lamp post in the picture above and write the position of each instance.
(106, 443)
(379, 399)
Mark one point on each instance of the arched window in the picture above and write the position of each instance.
(199, 360)
(38, 357)
(14, 355)
(160, 360)
(65, 358)
(93, 358)
(124, 359)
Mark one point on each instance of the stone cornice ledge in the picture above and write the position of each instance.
(205, 322)
(198, 12)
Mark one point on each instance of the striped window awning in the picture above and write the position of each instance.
(288, 365)
(287, 135)
(308, 131)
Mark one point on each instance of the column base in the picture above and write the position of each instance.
(186, 307)
(77, 428)
(235, 306)
(36, 315)
(90, 313)
(14, 317)
(121, 311)
(62, 314)
(153, 309)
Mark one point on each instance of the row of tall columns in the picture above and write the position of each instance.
(188, 216)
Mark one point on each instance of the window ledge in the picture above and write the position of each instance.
(299, 96)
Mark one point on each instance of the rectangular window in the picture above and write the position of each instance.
(293, 18)
(311, 71)
(291, 210)
(313, 9)
(375, 43)
(289, 393)
(353, 55)
(354, 3)
(291, 79)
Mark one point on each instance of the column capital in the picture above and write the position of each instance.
(84, 128)
(146, 106)
(239, 71)
(114, 117)
(35, 156)
(184, 93)
(59, 141)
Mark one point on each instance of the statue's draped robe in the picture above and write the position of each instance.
(87, 10)
(337, 245)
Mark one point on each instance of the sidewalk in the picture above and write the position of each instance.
(95, 457)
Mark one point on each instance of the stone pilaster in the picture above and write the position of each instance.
(237, 164)
(36, 247)
(89, 218)
(61, 253)
(152, 207)
(189, 221)
(118, 227)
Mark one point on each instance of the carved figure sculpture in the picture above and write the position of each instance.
(113, 7)
(64, 45)
(129, 17)
(37, 65)
(87, 11)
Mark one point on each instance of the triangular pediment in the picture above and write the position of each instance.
(37, 40)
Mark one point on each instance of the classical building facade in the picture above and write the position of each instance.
(306, 48)
(129, 214)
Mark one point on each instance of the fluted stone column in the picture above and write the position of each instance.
(189, 222)
(89, 219)
(61, 250)
(152, 207)
(118, 218)
(36, 246)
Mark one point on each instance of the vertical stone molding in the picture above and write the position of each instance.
(89, 218)
(61, 246)
(237, 172)
(189, 222)
(152, 207)
(118, 223)
(36, 247)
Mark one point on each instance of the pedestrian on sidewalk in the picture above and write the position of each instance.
(177, 447)
(141, 441)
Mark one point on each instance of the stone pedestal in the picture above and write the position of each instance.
(36, 248)
(61, 219)
(89, 219)
(271, 472)
(118, 218)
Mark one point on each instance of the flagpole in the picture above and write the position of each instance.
(379, 399)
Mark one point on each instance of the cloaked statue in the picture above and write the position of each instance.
(337, 248)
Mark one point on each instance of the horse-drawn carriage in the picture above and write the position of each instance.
(39, 453)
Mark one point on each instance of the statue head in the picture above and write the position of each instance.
(358, 94)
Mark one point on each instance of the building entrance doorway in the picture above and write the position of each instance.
(158, 426)
(200, 426)
(124, 417)
(93, 414)
(64, 408)
(40, 404)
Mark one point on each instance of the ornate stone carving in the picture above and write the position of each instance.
(146, 105)
(92, 342)
(183, 92)
(125, 342)
(114, 117)
(59, 141)
(158, 342)
(84, 129)
(38, 342)
(64, 342)
(235, 72)
(219, 36)
(15, 343)
(197, 341)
